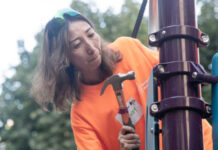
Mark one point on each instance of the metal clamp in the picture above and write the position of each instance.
(158, 109)
(178, 31)
(195, 71)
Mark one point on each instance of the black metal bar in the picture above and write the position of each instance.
(139, 19)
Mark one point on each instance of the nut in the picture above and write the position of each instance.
(194, 75)
(161, 69)
(205, 38)
(163, 32)
(152, 38)
(154, 108)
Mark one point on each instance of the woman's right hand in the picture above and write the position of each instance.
(128, 139)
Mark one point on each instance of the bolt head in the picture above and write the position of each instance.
(152, 130)
(155, 80)
(194, 75)
(208, 109)
(163, 32)
(154, 108)
(161, 69)
(152, 38)
(205, 38)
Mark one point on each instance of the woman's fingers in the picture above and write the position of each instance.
(130, 136)
(128, 139)
(130, 144)
(132, 141)
(127, 129)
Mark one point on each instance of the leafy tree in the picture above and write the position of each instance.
(122, 24)
(111, 25)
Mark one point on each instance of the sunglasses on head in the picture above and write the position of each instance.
(71, 12)
(58, 21)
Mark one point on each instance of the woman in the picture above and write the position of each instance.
(74, 65)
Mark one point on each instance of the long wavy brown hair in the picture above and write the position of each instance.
(55, 79)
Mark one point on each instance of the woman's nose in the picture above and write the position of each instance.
(90, 48)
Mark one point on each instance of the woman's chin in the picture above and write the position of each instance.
(93, 65)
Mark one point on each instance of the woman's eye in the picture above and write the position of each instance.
(76, 46)
(91, 35)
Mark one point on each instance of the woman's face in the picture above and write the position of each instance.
(85, 46)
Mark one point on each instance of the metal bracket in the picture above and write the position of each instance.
(195, 71)
(158, 109)
(178, 31)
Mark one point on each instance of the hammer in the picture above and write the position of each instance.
(116, 82)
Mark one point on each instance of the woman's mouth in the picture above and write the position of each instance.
(92, 58)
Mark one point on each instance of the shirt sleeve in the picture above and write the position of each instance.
(207, 134)
(151, 55)
(135, 48)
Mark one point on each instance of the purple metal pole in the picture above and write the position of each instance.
(182, 129)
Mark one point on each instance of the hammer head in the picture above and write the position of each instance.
(117, 79)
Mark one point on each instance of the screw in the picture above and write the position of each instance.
(163, 32)
(205, 38)
(152, 130)
(154, 108)
(161, 69)
(208, 109)
(194, 75)
(152, 38)
(155, 80)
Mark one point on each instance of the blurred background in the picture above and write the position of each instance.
(23, 124)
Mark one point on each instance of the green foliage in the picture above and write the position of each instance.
(33, 128)
(111, 25)
(23, 124)
(115, 25)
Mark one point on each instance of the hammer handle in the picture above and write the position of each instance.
(123, 108)
(124, 111)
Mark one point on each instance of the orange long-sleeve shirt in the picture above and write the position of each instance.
(95, 119)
